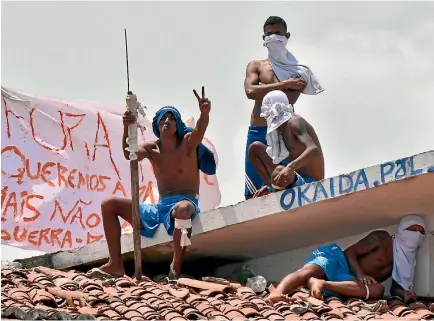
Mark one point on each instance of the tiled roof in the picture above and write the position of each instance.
(48, 294)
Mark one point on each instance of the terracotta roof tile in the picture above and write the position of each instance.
(51, 295)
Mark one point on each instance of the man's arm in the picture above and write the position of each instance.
(142, 152)
(397, 290)
(252, 87)
(257, 91)
(372, 242)
(297, 127)
(196, 136)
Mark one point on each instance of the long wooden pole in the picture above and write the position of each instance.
(134, 168)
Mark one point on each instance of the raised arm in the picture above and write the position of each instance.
(254, 90)
(196, 136)
(142, 153)
(297, 127)
(372, 242)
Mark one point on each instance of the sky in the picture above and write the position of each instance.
(372, 58)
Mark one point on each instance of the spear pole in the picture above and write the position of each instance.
(134, 169)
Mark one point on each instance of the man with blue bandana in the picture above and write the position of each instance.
(176, 157)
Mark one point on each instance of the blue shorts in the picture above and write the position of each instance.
(332, 260)
(253, 181)
(154, 215)
(301, 179)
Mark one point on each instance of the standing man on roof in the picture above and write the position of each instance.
(280, 71)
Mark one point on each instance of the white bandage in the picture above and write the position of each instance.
(367, 292)
(183, 225)
(135, 108)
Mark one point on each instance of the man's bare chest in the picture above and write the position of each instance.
(266, 75)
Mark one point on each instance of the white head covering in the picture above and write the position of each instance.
(286, 66)
(276, 110)
(405, 245)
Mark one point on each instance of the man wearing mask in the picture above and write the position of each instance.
(358, 270)
(406, 241)
(280, 71)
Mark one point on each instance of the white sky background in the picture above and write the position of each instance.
(372, 58)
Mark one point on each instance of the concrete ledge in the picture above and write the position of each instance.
(336, 207)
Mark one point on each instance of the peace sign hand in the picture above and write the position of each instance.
(204, 103)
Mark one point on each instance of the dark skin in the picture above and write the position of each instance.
(261, 79)
(370, 259)
(175, 164)
(306, 156)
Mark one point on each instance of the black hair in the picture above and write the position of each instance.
(275, 20)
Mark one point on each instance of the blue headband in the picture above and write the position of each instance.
(159, 115)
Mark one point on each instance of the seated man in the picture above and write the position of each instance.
(293, 154)
(176, 157)
(359, 270)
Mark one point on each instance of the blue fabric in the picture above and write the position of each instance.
(154, 215)
(205, 157)
(258, 134)
(301, 179)
(332, 260)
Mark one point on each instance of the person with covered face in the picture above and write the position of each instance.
(290, 138)
(358, 270)
(176, 157)
(279, 71)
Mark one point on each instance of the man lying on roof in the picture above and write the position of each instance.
(293, 154)
(176, 157)
(358, 271)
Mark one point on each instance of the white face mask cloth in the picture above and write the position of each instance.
(405, 245)
(277, 111)
(286, 66)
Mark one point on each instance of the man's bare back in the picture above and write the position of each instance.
(259, 72)
(315, 167)
(176, 171)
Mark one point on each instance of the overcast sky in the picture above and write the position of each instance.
(372, 58)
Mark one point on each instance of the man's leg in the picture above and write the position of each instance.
(111, 209)
(183, 210)
(351, 288)
(295, 280)
(261, 161)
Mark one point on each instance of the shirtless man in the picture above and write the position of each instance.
(174, 158)
(305, 162)
(359, 270)
(261, 79)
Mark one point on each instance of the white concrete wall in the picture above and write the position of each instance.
(275, 267)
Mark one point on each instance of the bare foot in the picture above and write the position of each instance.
(316, 287)
(113, 269)
(275, 296)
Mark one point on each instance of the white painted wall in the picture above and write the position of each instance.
(275, 267)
